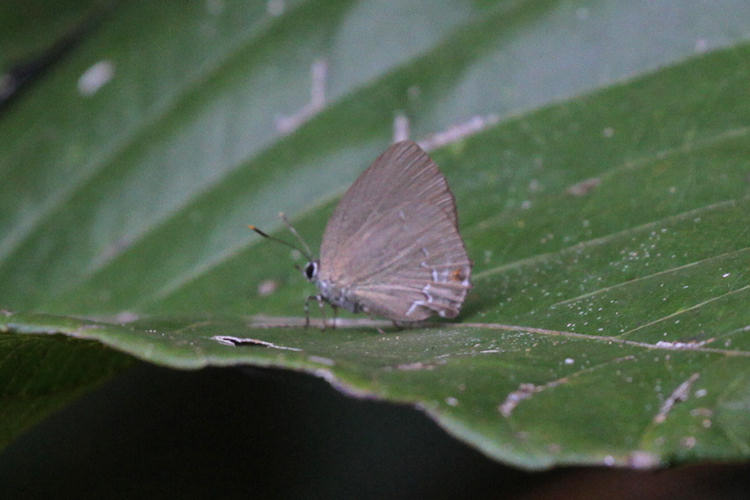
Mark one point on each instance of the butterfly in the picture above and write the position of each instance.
(392, 246)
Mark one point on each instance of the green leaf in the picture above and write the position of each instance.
(39, 375)
(21, 40)
(603, 191)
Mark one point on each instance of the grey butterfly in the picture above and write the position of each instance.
(392, 246)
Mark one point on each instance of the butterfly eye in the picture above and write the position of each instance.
(311, 270)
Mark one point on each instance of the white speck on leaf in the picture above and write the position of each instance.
(318, 76)
(457, 132)
(681, 393)
(267, 287)
(275, 7)
(688, 442)
(642, 460)
(95, 77)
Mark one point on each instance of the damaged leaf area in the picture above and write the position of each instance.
(606, 208)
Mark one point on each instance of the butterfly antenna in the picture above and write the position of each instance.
(296, 234)
(307, 254)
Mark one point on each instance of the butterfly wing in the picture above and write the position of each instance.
(397, 251)
(403, 172)
(408, 264)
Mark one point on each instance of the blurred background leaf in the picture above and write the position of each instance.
(602, 191)
(37, 33)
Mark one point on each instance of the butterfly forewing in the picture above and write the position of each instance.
(393, 243)
(403, 172)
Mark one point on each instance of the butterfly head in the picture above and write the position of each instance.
(311, 270)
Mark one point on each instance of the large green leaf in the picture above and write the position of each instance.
(605, 205)
(33, 27)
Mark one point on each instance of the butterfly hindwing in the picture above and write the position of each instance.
(406, 264)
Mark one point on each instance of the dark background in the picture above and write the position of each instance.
(224, 433)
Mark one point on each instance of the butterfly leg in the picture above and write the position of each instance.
(307, 308)
(335, 315)
(322, 307)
